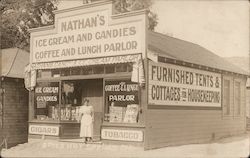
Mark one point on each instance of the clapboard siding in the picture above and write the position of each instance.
(166, 126)
(15, 116)
(171, 127)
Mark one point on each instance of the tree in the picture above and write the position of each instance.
(132, 5)
(20, 15)
(122, 6)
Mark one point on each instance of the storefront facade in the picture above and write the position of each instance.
(136, 89)
(90, 54)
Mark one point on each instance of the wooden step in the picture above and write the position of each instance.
(79, 141)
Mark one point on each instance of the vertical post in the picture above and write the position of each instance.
(31, 105)
(60, 99)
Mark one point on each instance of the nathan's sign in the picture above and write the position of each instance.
(89, 35)
(44, 130)
(123, 135)
(177, 85)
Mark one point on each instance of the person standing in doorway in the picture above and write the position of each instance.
(87, 119)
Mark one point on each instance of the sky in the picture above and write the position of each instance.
(221, 26)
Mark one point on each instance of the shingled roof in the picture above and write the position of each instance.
(189, 52)
(13, 62)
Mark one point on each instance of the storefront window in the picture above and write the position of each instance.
(47, 101)
(121, 101)
(85, 70)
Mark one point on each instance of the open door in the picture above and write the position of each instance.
(93, 90)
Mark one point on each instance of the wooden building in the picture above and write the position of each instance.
(248, 104)
(146, 88)
(13, 97)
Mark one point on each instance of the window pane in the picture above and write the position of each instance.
(46, 74)
(47, 101)
(121, 101)
(130, 67)
(121, 68)
(87, 71)
(98, 69)
(71, 100)
(76, 71)
(39, 73)
(55, 73)
(65, 72)
(109, 69)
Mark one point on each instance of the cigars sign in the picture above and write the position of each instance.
(177, 85)
(89, 34)
(44, 130)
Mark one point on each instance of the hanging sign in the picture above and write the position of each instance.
(177, 85)
(90, 35)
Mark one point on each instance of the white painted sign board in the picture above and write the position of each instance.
(182, 86)
(89, 33)
(122, 135)
(44, 130)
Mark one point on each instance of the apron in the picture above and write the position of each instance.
(86, 129)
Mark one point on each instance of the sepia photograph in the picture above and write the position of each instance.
(125, 78)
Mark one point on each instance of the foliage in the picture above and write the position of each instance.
(122, 6)
(20, 15)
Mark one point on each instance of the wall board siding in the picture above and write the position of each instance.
(15, 116)
(174, 127)
(166, 125)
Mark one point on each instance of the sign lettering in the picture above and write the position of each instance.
(89, 35)
(46, 94)
(123, 135)
(44, 130)
(177, 85)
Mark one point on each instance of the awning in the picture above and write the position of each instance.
(136, 59)
(87, 62)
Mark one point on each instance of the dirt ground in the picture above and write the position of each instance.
(228, 147)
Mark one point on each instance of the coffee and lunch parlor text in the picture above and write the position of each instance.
(86, 42)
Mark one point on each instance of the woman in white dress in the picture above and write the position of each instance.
(87, 119)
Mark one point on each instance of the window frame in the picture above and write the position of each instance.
(239, 106)
(229, 113)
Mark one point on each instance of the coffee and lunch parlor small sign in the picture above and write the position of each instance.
(89, 35)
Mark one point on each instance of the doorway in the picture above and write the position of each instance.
(93, 91)
(73, 94)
